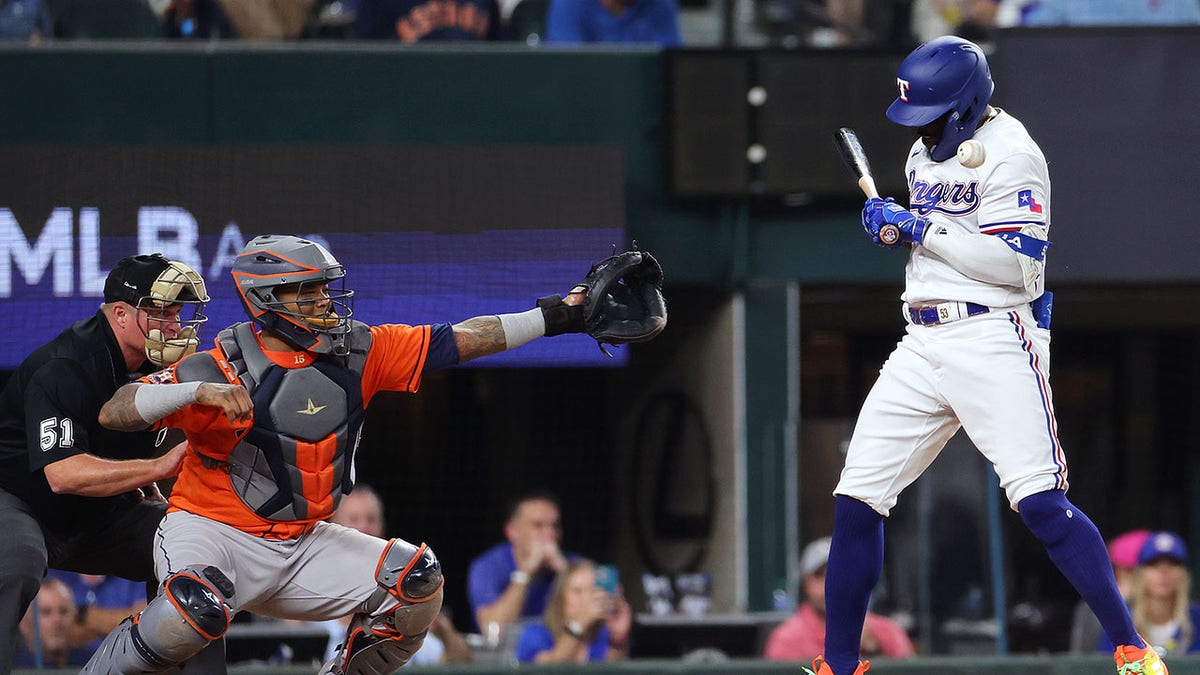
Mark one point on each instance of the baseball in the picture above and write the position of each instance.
(971, 154)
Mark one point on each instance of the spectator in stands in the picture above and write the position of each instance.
(802, 637)
(27, 20)
(103, 601)
(970, 19)
(193, 19)
(513, 580)
(414, 21)
(1112, 13)
(362, 510)
(332, 19)
(55, 616)
(644, 21)
(1123, 550)
(582, 622)
(267, 19)
(1162, 610)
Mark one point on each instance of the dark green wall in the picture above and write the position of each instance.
(381, 94)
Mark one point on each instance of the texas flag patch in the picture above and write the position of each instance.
(1025, 200)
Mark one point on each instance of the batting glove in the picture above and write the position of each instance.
(869, 220)
(879, 212)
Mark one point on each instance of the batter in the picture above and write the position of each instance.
(975, 354)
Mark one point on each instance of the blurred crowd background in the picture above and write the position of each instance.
(696, 23)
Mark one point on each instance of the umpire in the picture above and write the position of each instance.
(71, 492)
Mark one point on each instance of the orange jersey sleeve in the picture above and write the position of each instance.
(395, 360)
(206, 428)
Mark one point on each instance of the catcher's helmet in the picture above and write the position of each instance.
(945, 75)
(271, 262)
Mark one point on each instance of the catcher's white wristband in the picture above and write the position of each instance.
(522, 327)
(155, 401)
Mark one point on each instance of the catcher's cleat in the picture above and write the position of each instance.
(819, 667)
(1139, 660)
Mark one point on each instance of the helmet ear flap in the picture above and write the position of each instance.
(261, 298)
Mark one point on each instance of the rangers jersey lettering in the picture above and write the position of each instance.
(1009, 192)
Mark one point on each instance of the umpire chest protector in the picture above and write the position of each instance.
(295, 462)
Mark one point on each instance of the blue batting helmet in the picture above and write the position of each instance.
(945, 75)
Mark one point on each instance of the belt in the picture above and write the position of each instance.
(944, 312)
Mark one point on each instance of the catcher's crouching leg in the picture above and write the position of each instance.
(190, 611)
(385, 637)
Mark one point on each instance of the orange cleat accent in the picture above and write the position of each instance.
(1139, 660)
(819, 667)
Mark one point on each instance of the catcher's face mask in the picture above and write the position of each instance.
(311, 303)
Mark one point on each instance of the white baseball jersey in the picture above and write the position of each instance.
(983, 367)
(1009, 192)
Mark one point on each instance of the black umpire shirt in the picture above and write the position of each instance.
(49, 411)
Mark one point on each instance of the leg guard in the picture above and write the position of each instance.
(191, 611)
(382, 640)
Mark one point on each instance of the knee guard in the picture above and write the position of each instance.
(191, 610)
(385, 637)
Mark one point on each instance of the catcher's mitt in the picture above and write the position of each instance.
(624, 299)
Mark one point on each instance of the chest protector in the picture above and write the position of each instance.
(296, 461)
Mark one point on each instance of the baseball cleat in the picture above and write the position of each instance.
(819, 667)
(1139, 660)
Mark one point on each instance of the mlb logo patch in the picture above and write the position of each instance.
(1025, 200)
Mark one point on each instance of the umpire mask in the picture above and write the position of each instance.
(172, 297)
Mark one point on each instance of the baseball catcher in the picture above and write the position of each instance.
(272, 415)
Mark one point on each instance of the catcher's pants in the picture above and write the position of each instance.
(988, 374)
(327, 573)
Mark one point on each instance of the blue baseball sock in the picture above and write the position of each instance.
(855, 563)
(1077, 549)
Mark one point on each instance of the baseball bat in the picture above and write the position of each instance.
(855, 159)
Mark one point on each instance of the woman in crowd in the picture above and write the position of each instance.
(583, 622)
(1162, 611)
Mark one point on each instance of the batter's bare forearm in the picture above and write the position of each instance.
(120, 413)
(479, 336)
